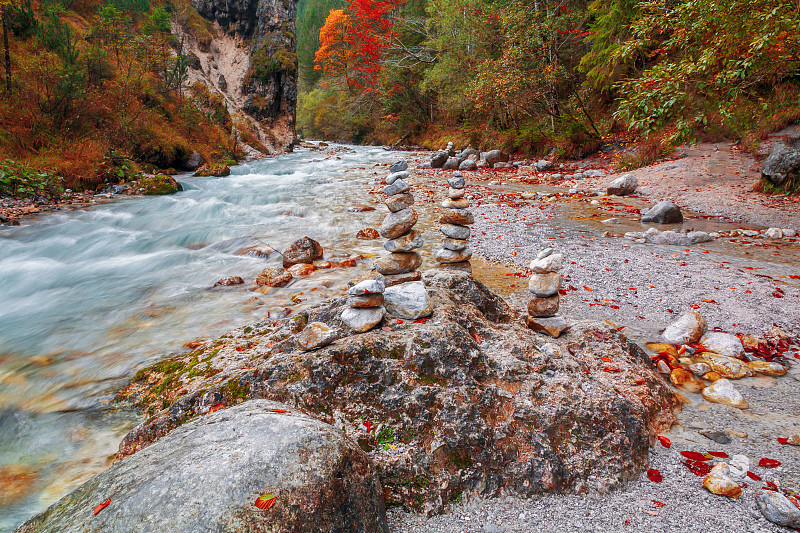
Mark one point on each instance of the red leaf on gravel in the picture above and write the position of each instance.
(768, 463)
(709, 301)
(658, 503)
(611, 370)
(102, 506)
(694, 306)
(420, 321)
(587, 288)
(606, 359)
(654, 475)
(783, 440)
(368, 425)
(754, 477)
(777, 294)
(719, 454)
(665, 442)
(694, 456)
(478, 338)
(698, 468)
(639, 382)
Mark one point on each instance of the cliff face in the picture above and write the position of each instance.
(252, 61)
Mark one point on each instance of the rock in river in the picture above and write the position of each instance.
(207, 474)
(274, 277)
(665, 212)
(305, 250)
(623, 185)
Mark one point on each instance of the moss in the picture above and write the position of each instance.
(158, 185)
(237, 388)
(248, 329)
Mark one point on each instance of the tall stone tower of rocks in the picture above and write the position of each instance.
(455, 220)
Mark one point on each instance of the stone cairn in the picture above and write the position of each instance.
(401, 262)
(455, 252)
(364, 305)
(544, 284)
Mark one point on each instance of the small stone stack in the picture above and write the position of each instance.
(401, 263)
(365, 305)
(544, 283)
(456, 219)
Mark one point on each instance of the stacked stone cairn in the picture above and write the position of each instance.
(364, 305)
(401, 262)
(455, 252)
(544, 284)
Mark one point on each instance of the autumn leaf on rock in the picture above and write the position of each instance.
(783, 440)
(265, 501)
(280, 411)
(654, 475)
(768, 463)
(102, 506)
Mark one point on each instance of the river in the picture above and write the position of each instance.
(89, 296)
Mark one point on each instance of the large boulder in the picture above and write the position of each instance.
(472, 402)
(494, 156)
(440, 159)
(305, 250)
(782, 165)
(208, 474)
(468, 165)
(450, 164)
(665, 212)
(623, 185)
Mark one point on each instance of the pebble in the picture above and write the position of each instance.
(720, 437)
(455, 232)
(727, 367)
(369, 286)
(767, 368)
(361, 320)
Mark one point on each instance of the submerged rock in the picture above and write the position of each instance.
(207, 474)
(274, 277)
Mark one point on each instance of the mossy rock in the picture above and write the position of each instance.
(216, 171)
(157, 185)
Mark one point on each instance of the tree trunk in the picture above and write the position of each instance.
(5, 46)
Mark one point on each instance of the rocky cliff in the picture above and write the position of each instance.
(250, 60)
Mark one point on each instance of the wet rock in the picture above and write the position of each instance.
(461, 203)
(397, 263)
(362, 320)
(305, 250)
(159, 185)
(398, 166)
(722, 391)
(398, 202)
(454, 244)
(782, 165)
(367, 234)
(408, 300)
(405, 243)
(397, 187)
(274, 277)
(712, 376)
(623, 185)
(194, 161)
(391, 178)
(457, 182)
(450, 164)
(718, 482)
(398, 223)
(316, 335)
(727, 367)
(395, 279)
(767, 368)
(368, 286)
(213, 171)
(207, 474)
(369, 300)
(440, 159)
(549, 263)
(455, 232)
(696, 237)
(544, 285)
(720, 437)
(686, 330)
(685, 380)
(301, 270)
(453, 256)
(777, 508)
(665, 212)
(461, 217)
(229, 281)
(723, 344)
(699, 369)
(553, 326)
(543, 307)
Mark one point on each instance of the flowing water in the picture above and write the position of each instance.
(89, 296)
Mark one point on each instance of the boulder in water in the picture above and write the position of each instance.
(305, 250)
(665, 212)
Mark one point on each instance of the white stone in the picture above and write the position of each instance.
(722, 391)
(362, 319)
(723, 344)
(686, 330)
(544, 285)
(738, 466)
(369, 286)
(408, 300)
(551, 263)
(789, 233)
(774, 233)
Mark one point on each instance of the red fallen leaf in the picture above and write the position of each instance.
(639, 382)
(611, 370)
(420, 321)
(768, 463)
(605, 359)
(721, 455)
(562, 292)
(239, 348)
(694, 306)
(770, 486)
(399, 321)
(748, 291)
(102, 506)
(216, 407)
(654, 475)
(709, 301)
(265, 501)
(697, 347)
(698, 468)
(478, 338)
(694, 456)
(777, 294)
(665, 442)
(783, 440)
(682, 349)
(658, 503)
(587, 288)
(587, 371)
(280, 411)
(368, 425)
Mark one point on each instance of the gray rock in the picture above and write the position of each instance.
(623, 185)
(549, 263)
(454, 244)
(544, 285)
(398, 223)
(720, 437)
(544, 253)
(578, 176)
(543, 165)
(368, 300)
(665, 212)
(468, 165)
(399, 202)
(405, 243)
(723, 344)
(688, 329)
(450, 164)
(398, 166)
(467, 152)
(408, 300)
(696, 237)
(194, 162)
(453, 256)
(774, 233)
(397, 187)
(699, 369)
(369, 286)
(361, 320)
(553, 326)
(455, 232)
(457, 182)
(777, 508)
(493, 157)
(459, 217)
(783, 164)
(440, 159)
(207, 474)
(396, 176)
(595, 173)
(667, 237)
(397, 263)
(503, 164)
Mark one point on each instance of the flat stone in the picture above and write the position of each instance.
(461, 217)
(738, 465)
(397, 187)
(722, 391)
(699, 369)
(623, 185)
(316, 335)
(397, 224)
(398, 202)
(767, 368)
(361, 320)
(229, 281)
(397, 263)
(684, 380)
(391, 178)
(206, 475)
(408, 300)
(688, 329)
(369, 300)
(455, 194)
(550, 263)
(723, 344)
(719, 482)
(468, 164)
(456, 182)
(455, 232)
(461, 203)
(665, 212)
(405, 243)
(398, 166)
(274, 277)
(368, 286)
(454, 244)
(727, 367)
(305, 250)
(696, 237)
(553, 326)
(453, 256)
(544, 253)
(396, 279)
(777, 508)
(544, 285)
(720, 437)
(543, 307)
(465, 266)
